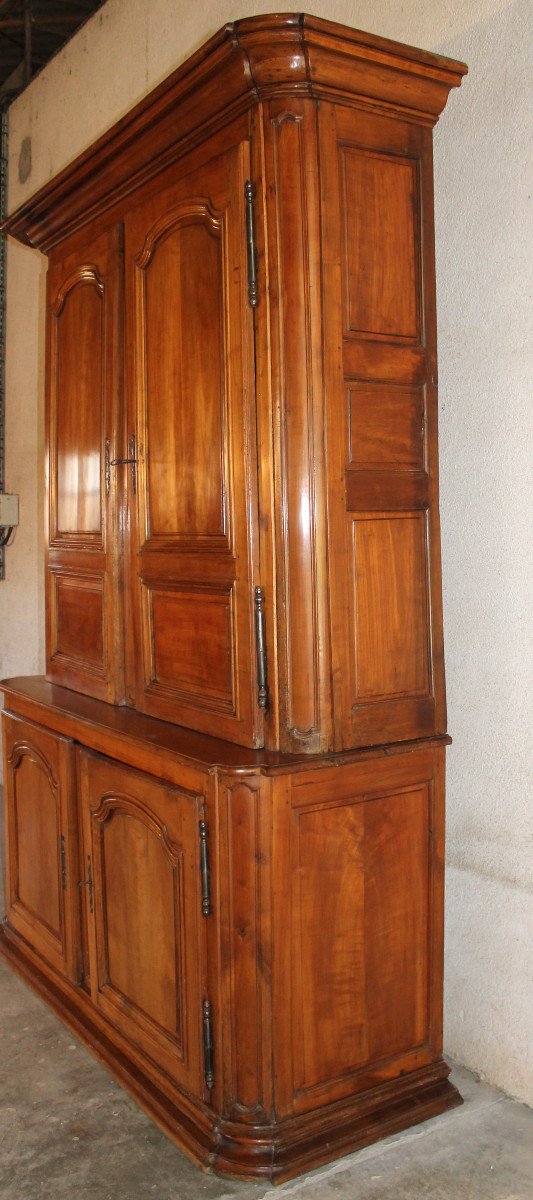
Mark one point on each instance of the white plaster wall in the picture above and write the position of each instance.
(485, 351)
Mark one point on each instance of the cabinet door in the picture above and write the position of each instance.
(41, 844)
(83, 621)
(190, 376)
(359, 987)
(381, 398)
(146, 930)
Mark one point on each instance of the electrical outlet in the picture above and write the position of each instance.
(9, 510)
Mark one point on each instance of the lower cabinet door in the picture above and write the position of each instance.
(146, 931)
(41, 842)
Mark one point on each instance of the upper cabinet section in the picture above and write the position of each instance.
(244, 531)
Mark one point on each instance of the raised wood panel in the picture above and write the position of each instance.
(397, 921)
(364, 906)
(391, 634)
(79, 383)
(192, 642)
(136, 862)
(386, 491)
(386, 427)
(394, 362)
(328, 943)
(42, 894)
(78, 620)
(146, 931)
(183, 271)
(379, 197)
(37, 834)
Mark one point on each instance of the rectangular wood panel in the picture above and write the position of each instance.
(192, 635)
(329, 940)
(397, 921)
(361, 920)
(134, 865)
(78, 619)
(79, 339)
(391, 606)
(379, 198)
(386, 491)
(386, 425)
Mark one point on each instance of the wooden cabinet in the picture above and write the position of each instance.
(235, 763)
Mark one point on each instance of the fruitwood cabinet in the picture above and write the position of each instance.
(225, 801)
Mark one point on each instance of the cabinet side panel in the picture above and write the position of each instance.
(361, 994)
(381, 418)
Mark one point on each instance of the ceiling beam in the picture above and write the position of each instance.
(40, 22)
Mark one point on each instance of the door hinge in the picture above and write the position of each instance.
(208, 1045)
(63, 864)
(251, 251)
(88, 883)
(204, 869)
(260, 641)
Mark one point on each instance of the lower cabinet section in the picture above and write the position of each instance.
(253, 946)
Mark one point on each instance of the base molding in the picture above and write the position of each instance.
(273, 1153)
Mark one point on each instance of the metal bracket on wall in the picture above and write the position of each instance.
(3, 258)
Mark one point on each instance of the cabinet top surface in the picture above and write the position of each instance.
(246, 62)
(111, 729)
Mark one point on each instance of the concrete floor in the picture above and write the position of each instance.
(67, 1132)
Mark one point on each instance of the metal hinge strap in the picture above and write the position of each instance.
(204, 870)
(262, 683)
(208, 1045)
(63, 863)
(251, 251)
(88, 883)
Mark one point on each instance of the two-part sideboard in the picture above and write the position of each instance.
(225, 799)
